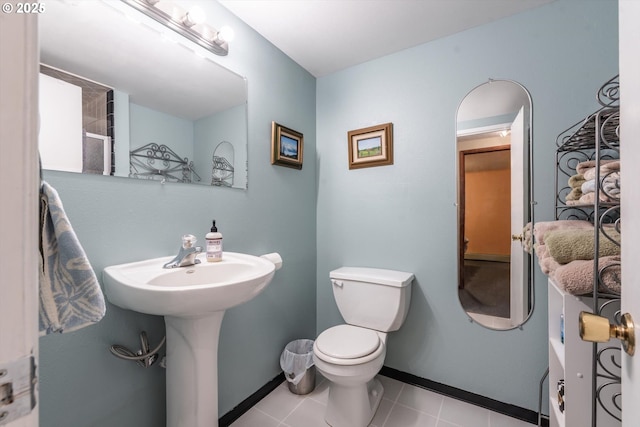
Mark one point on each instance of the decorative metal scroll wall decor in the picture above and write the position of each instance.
(597, 138)
(153, 161)
(222, 172)
(607, 366)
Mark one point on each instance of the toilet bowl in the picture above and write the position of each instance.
(354, 393)
(372, 302)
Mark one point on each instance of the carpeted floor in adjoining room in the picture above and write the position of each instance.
(486, 288)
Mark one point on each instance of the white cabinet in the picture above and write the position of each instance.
(569, 361)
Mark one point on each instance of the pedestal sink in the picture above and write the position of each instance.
(193, 301)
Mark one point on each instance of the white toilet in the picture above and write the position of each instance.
(373, 302)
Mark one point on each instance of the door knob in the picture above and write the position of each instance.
(595, 328)
(515, 237)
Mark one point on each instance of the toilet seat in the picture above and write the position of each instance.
(348, 342)
(347, 345)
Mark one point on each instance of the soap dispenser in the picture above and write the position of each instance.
(214, 244)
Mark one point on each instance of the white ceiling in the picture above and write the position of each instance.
(325, 36)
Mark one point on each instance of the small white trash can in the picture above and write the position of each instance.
(296, 361)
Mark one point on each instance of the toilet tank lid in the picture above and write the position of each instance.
(373, 275)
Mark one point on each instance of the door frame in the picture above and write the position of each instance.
(629, 40)
(19, 193)
(462, 203)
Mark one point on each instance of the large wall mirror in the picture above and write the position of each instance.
(493, 152)
(122, 95)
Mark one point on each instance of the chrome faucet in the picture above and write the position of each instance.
(187, 253)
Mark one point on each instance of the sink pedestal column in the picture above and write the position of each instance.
(192, 370)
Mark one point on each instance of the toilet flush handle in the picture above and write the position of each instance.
(337, 283)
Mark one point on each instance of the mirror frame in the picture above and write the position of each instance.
(529, 213)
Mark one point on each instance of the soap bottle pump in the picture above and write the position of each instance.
(214, 244)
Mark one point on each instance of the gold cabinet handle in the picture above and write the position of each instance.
(515, 237)
(595, 328)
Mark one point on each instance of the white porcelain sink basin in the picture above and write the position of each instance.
(203, 288)
(193, 301)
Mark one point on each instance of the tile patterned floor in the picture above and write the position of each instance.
(402, 405)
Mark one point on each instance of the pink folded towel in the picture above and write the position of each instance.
(527, 240)
(582, 167)
(577, 276)
(548, 265)
(590, 198)
(605, 168)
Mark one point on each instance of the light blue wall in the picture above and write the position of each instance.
(151, 126)
(403, 216)
(120, 220)
(399, 216)
(122, 140)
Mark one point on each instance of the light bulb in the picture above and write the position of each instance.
(194, 16)
(226, 34)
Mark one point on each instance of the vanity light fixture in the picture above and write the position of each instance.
(189, 23)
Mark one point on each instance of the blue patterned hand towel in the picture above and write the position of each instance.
(70, 295)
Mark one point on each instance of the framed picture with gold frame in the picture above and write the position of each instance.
(372, 146)
(287, 146)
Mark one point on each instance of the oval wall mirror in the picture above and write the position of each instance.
(123, 95)
(494, 190)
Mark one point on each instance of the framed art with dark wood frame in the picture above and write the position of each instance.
(286, 146)
(372, 146)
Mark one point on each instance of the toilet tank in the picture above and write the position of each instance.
(372, 298)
